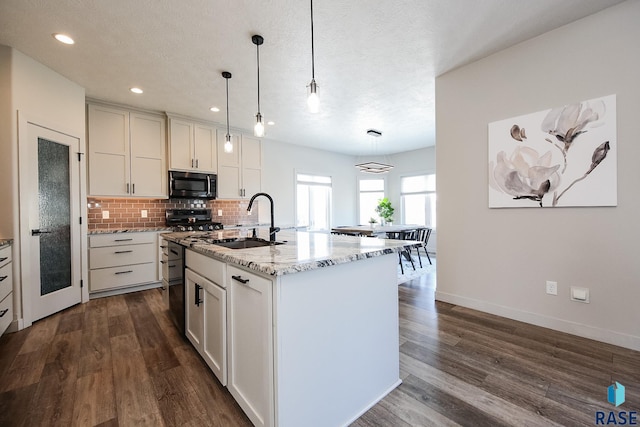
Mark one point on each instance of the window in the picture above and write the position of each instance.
(370, 190)
(418, 198)
(313, 208)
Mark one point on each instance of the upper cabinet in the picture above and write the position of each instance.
(126, 153)
(239, 172)
(192, 146)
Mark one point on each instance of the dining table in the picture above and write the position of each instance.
(375, 230)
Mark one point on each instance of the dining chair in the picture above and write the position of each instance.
(404, 235)
(423, 235)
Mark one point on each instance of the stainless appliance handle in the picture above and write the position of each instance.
(208, 184)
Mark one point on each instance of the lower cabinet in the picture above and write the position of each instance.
(121, 260)
(251, 344)
(206, 311)
(6, 288)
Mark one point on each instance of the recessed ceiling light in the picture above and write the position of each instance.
(136, 90)
(271, 123)
(63, 38)
(214, 109)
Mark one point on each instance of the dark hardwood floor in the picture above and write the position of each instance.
(118, 361)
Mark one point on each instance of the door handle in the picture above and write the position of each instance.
(37, 232)
(3, 312)
(3, 258)
(2, 278)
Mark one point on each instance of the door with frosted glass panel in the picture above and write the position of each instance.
(53, 192)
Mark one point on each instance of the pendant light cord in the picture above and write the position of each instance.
(258, 60)
(313, 70)
(227, 105)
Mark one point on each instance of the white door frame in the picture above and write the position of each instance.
(24, 119)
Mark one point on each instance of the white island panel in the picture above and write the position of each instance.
(337, 337)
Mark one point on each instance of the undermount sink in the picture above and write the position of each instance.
(247, 243)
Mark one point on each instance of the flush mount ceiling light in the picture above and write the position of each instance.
(63, 38)
(136, 90)
(214, 109)
(374, 167)
(258, 129)
(228, 145)
(313, 101)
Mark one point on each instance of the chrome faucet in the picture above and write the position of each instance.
(273, 229)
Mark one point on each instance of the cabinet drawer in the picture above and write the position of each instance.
(6, 316)
(116, 239)
(112, 256)
(207, 267)
(6, 280)
(171, 269)
(116, 277)
(5, 255)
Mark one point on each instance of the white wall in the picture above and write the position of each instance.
(498, 260)
(282, 161)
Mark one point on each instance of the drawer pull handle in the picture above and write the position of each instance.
(2, 278)
(4, 258)
(163, 246)
(172, 266)
(124, 272)
(163, 262)
(173, 251)
(3, 312)
(240, 279)
(123, 240)
(122, 252)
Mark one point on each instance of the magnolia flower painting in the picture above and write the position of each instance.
(565, 156)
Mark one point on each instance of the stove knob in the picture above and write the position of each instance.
(200, 228)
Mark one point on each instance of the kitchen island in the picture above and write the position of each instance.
(310, 326)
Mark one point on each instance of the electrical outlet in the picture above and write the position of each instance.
(105, 214)
(143, 213)
(219, 212)
(552, 287)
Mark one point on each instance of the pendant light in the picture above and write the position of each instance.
(313, 101)
(228, 145)
(374, 167)
(258, 129)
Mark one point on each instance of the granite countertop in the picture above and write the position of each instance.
(302, 251)
(128, 230)
(5, 242)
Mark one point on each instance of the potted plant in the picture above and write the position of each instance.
(372, 222)
(385, 210)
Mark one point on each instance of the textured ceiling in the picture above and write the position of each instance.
(375, 61)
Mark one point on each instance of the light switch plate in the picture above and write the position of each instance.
(143, 213)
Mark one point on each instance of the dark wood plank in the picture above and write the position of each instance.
(95, 349)
(446, 404)
(15, 405)
(157, 353)
(95, 400)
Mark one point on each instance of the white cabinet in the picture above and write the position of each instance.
(239, 172)
(6, 288)
(126, 153)
(250, 374)
(206, 310)
(192, 146)
(121, 260)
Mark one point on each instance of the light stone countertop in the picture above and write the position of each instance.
(302, 251)
(128, 230)
(5, 242)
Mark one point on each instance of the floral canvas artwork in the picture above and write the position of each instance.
(564, 156)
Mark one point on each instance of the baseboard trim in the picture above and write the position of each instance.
(375, 402)
(607, 336)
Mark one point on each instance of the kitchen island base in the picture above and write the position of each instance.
(336, 341)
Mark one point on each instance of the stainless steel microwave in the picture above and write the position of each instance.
(192, 185)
